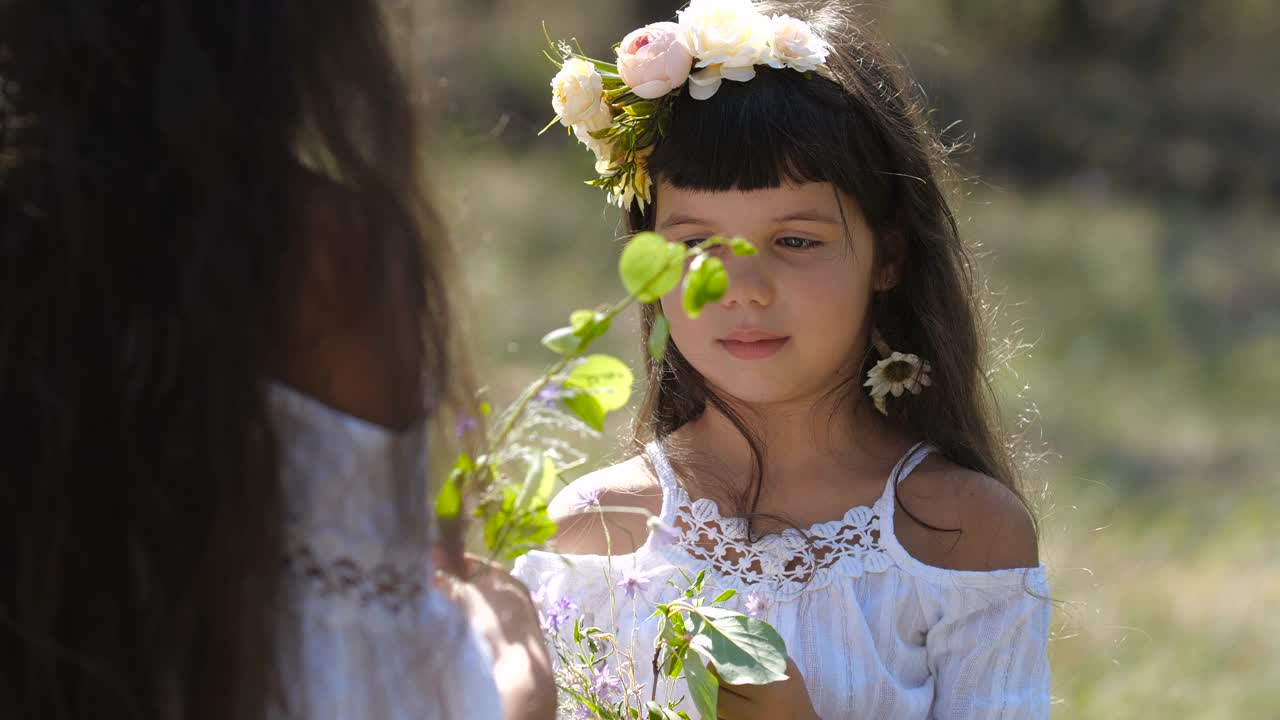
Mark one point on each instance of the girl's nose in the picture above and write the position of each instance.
(749, 281)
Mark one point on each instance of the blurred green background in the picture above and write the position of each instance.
(1124, 165)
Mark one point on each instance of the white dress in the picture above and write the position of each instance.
(875, 632)
(362, 633)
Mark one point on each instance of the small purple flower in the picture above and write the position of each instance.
(605, 684)
(583, 713)
(549, 394)
(634, 581)
(560, 613)
(465, 424)
(661, 533)
(757, 604)
(587, 499)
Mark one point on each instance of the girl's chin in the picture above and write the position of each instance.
(759, 391)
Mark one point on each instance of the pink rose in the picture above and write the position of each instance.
(655, 59)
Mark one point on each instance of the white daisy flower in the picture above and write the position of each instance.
(898, 373)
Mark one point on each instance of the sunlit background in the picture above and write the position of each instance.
(1125, 168)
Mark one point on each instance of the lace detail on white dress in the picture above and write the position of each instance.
(783, 564)
(383, 586)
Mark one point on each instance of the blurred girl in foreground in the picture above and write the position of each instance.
(223, 327)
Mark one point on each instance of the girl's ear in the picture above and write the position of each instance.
(891, 265)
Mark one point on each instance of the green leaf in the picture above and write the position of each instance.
(493, 528)
(586, 407)
(742, 247)
(563, 341)
(650, 266)
(580, 318)
(538, 484)
(509, 496)
(675, 665)
(703, 687)
(449, 501)
(744, 650)
(605, 378)
(706, 282)
(725, 595)
(657, 712)
(588, 325)
(658, 337)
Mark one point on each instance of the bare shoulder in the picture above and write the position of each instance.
(586, 529)
(995, 529)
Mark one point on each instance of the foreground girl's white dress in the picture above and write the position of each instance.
(363, 634)
(876, 633)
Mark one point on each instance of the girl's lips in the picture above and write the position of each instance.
(754, 349)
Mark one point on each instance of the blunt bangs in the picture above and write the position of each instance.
(779, 128)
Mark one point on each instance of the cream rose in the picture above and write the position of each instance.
(728, 34)
(795, 46)
(577, 91)
(606, 152)
(655, 59)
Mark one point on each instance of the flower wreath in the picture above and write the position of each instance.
(618, 111)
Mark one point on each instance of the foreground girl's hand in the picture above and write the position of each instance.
(783, 699)
(500, 609)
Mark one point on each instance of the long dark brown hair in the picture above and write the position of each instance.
(866, 133)
(151, 205)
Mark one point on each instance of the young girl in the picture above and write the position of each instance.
(822, 440)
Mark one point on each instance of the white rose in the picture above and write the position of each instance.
(594, 120)
(576, 91)
(795, 46)
(730, 34)
(605, 150)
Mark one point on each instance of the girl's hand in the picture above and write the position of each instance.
(500, 609)
(783, 699)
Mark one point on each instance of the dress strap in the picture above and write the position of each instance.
(662, 466)
(906, 464)
(910, 462)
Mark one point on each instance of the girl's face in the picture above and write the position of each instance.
(794, 320)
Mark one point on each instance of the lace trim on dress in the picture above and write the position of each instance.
(784, 564)
(382, 585)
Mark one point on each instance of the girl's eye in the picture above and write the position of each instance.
(691, 242)
(798, 243)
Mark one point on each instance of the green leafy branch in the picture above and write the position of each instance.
(514, 514)
(694, 634)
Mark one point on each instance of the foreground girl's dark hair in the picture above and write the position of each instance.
(866, 134)
(151, 207)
